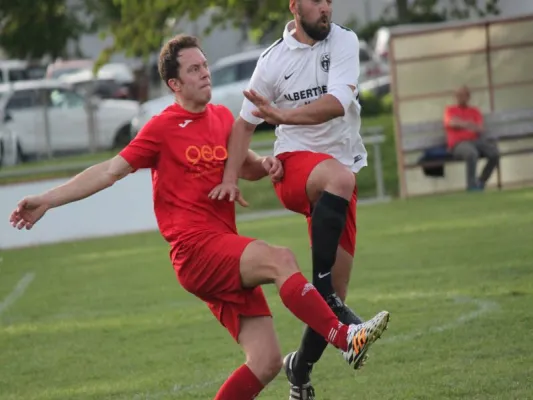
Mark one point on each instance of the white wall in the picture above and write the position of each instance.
(125, 208)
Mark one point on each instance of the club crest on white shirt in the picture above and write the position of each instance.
(324, 62)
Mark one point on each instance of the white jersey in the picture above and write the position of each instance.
(292, 74)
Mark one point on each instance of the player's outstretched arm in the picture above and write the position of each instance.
(238, 146)
(94, 179)
(238, 149)
(256, 167)
(318, 112)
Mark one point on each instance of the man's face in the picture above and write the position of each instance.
(315, 17)
(463, 96)
(194, 83)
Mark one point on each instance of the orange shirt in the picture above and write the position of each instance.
(456, 135)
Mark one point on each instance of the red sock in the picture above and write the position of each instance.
(303, 300)
(241, 385)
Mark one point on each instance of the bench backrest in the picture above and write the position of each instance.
(500, 125)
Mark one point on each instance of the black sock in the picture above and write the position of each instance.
(313, 345)
(327, 223)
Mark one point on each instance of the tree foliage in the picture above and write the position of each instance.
(32, 29)
(138, 27)
(426, 11)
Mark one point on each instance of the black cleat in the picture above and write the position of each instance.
(298, 391)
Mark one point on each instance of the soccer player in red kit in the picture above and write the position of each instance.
(186, 148)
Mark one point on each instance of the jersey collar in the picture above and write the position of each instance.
(292, 42)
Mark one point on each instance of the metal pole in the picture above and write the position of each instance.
(91, 120)
(47, 137)
(380, 185)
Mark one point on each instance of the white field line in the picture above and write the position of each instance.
(17, 292)
(176, 389)
(483, 307)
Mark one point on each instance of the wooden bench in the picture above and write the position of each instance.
(500, 126)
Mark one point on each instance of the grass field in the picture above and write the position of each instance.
(106, 319)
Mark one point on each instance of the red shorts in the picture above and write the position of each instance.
(292, 193)
(209, 268)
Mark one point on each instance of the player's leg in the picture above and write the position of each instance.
(298, 365)
(262, 263)
(225, 270)
(318, 179)
(263, 360)
(329, 188)
(211, 270)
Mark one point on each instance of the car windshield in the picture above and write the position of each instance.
(59, 72)
(18, 75)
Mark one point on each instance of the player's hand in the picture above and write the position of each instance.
(265, 110)
(29, 210)
(273, 167)
(230, 191)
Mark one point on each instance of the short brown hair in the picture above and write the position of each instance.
(168, 57)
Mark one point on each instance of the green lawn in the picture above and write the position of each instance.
(106, 319)
(259, 193)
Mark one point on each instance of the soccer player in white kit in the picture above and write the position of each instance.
(310, 75)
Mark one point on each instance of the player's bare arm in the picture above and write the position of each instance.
(93, 180)
(238, 146)
(256, 167)
(322, 110)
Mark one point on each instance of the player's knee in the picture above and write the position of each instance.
(284, 262)
(341, 182)
(266, 365)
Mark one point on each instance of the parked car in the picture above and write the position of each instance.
(13, 71)
(62, 67)
(23, 122)
(231, 75)
(103, 86)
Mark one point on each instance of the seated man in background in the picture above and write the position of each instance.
(464, 131)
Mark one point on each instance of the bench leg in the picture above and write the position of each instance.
(499, 176)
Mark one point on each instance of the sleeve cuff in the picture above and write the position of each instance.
(250, 118)
(344, 94)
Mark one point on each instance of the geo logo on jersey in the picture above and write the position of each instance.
(206, 153)
(206, 159)
(324, 62)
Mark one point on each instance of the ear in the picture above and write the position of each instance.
(174, 85)
(292, 6)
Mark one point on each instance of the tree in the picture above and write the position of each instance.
(462, 9)
(34, 29)
(420, 10)
(143, 25)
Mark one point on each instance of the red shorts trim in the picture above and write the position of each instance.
(210, 269)
(292, 193)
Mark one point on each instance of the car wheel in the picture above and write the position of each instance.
(123, 137)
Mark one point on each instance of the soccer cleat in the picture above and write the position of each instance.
(362, 336)
(298, 391)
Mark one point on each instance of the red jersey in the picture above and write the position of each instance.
(456, 135)
(186, 153)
